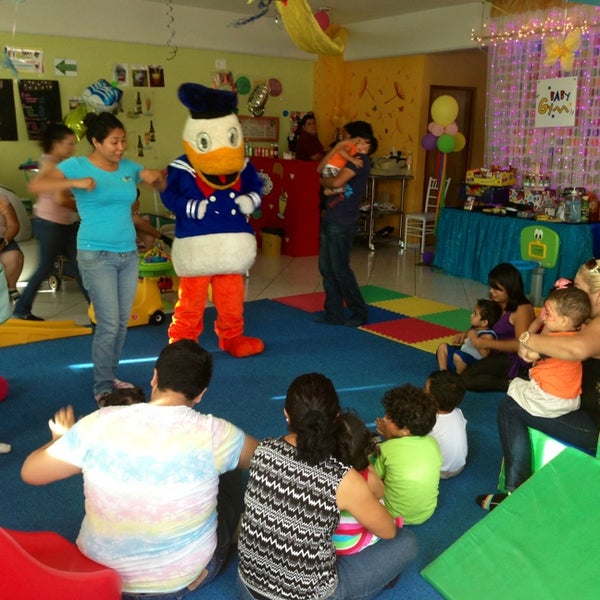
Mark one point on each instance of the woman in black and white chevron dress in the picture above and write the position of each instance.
(295, 491)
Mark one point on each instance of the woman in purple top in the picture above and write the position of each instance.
(503, 363)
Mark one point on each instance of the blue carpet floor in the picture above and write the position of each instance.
(249, 392)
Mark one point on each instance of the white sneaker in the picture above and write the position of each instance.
(4, 448)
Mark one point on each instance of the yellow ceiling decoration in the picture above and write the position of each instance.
(557, 49)
(305, 31)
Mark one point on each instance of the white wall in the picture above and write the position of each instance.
(148, 22)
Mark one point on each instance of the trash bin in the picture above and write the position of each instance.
(271, 240)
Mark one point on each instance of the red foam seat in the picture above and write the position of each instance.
(43, 564)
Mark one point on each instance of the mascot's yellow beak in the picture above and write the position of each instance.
(215, 148)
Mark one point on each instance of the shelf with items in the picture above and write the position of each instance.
(384, 205)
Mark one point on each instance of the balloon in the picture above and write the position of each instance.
(435, 129)
(428, 257)
(74, 120)
(275, 87)
(102, 96)
(242, 85)
(451, 129)
(444, 110)
(446, 143)
(258, 99)
(461, 142)
(322, 19)
(429, 141)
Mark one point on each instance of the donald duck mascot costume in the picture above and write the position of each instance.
(212, 189)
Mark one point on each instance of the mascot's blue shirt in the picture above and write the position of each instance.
(200, 209)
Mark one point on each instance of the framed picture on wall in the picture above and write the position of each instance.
(260, 129)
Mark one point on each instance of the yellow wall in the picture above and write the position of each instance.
(95, 60)
(393, 95)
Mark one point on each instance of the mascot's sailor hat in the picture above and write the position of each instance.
(207, 103)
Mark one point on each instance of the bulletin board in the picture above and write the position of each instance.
(260, 129)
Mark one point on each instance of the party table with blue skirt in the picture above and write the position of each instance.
(469, 244)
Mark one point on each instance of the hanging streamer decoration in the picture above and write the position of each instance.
(263, 9)
(171, 29)
(305, 31)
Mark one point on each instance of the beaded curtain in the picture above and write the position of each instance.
(569, 155)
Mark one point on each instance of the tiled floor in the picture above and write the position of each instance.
(272, 277)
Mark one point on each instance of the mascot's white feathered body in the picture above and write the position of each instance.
(212, 189)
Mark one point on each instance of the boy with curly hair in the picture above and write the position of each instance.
(410, 460)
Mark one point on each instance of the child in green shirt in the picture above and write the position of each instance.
(410, 460)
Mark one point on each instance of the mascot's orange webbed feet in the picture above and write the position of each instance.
(242, 346)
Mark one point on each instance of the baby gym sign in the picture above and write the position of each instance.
(555, 102)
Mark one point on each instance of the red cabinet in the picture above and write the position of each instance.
(290, 202)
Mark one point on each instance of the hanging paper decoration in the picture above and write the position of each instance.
(562, 51)
(305, 31)
(263, 9)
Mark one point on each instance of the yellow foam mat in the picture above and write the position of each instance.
(19, 331)
(413, 306)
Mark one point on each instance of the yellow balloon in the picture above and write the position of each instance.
(444, 110)
(74, 120)
(461, 142)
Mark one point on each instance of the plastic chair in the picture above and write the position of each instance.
(43, 564)
(422, 224)
(539, 251)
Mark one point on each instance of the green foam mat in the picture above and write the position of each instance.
(543, 541)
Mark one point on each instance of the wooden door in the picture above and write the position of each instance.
(457, 163)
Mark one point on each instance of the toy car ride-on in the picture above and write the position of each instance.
(156, 276)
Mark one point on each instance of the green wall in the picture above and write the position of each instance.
(95, 60)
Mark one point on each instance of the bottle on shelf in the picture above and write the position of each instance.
(138, 104)
(152, 132)
(593, 212)
(585, 209)
(140, 146)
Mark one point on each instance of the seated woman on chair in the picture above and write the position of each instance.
(11, 256)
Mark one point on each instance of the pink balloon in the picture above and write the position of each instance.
(435, 128)
(429, 141)
(451, 129)
(322, 19)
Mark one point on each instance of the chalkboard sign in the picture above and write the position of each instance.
(8, 115)
(260, 129)
(40, 100)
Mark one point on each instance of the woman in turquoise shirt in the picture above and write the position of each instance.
(104, 185)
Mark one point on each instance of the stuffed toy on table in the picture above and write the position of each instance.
(212, 189)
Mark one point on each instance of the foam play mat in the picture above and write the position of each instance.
(541, 542)
(19, 331)
(409, 320)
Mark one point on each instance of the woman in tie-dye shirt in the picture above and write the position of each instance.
(153, 476)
